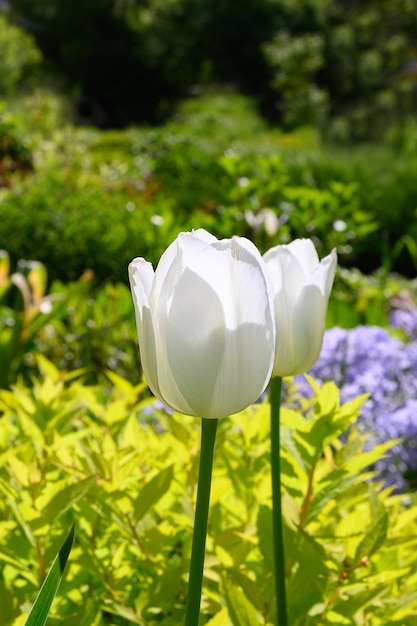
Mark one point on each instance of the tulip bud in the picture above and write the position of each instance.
(302, 286)
(205, 323)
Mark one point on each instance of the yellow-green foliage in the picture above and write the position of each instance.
(126, 473)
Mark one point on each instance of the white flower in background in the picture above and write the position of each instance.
(265, 218)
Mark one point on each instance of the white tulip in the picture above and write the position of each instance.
(205, 323)
(302, 286)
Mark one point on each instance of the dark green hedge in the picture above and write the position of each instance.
(349, 66)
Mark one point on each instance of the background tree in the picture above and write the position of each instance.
(345, 65)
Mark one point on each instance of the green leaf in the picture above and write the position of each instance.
(407, 600)
(306, 585)
(367, 459)
(265, 539)
(300, 451)
(220, 619)
(153, 491)
(115, 608)
(64, 498)
(336, 618)
(358, 600)
(241, 611)
(339, 481)
(377, 532)
(46, 595)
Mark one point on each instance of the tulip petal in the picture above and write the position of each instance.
(308, 337)
(167, 274)
(141, 277)
(286, 272)
(175, 258)
(323, 274)
(313, 301)
(302, 287)
(306, 254)
(224, 360)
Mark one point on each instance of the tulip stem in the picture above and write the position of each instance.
(278, 547)
(195, 583)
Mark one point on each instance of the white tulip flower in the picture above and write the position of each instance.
(205, 323)
(302, 286)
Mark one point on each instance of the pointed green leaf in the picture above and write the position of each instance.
(220, 619)
(46, 595)
(64, 498)
(152, 492)
(241, 611)
(330, 492)
(377, 532)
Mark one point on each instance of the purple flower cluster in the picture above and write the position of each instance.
(368, 359)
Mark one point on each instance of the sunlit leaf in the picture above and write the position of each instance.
(240, 609)
(152, 492)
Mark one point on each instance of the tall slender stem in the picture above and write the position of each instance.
(278, 548)
(195, 583)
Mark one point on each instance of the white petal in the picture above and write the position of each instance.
(220, 333)
(308, 328)
(306, 254)
(310, 314)
(330, 263)
(175, 258)
(167, 275)
(287, 275)
(323, 275)
(141, 276)
(284, 362)
(195, 321)
(203, 235)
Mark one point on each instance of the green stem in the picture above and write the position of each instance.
(195, 583)
(278, 548)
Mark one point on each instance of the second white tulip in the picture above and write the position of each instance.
(302, 286)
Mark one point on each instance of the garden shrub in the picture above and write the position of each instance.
(24, 309)
(360, 299)
(95, 332)
(16, 159)
(77, 325)
(73, 221)
(331, 214)
(214, 166)
(125, 471)
(20, 57)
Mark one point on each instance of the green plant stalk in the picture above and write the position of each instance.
(278, 547)
(195, 583)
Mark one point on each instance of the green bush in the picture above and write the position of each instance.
(20, 58)
(216, 166)
(126, 473)
(73, 220)
(95, 332)
(24, 309)
(16, 159)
